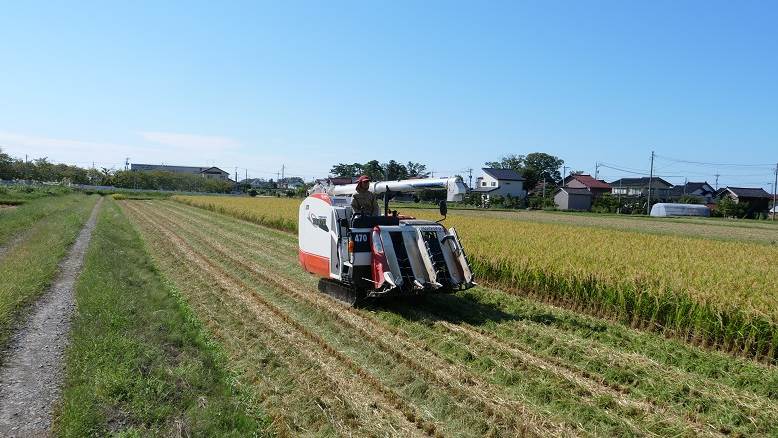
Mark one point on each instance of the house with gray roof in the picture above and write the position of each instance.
(207, 172)
(702, 190)
(660, 189)
(757, 198)
(573, 198)
(500, 182)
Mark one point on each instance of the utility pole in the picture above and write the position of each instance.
(283, 167)
(470, 177)
(247, 175)
(126, 163)
(236, 178)
(717, 180)
(564, 171)
(775, 183)
(650, 180)
(596, 170)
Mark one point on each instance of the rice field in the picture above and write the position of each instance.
(714, 292)
(481, 362)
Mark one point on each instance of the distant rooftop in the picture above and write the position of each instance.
(589, 181)
(503, 174)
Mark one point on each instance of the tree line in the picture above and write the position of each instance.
(42, 170)
(391, 171)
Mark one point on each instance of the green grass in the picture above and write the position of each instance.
(13, 221)
(20, 194)
(140, 363)
(28, 267)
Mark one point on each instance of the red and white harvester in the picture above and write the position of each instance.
(372, 256)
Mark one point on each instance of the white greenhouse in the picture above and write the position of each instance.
(666, 209)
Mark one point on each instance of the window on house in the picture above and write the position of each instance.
(494, 183)
(483, 184)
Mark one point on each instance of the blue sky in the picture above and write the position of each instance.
(450, 84)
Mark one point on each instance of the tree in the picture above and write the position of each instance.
(416, 170)
(395, 171)
(727, 207)
(373, 170)
(7, 170)
(689, 199)
(515, 162)
(346, 170)
(541, 165)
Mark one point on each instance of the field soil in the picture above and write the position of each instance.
(477, 363)
(30, 379)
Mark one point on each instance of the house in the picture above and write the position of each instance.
(660, 189)
(336, 181)
(701, 190)
(500, 182)
(293, 183)
(207, 172)
(573, 198)
(582, 181)
(757, 198)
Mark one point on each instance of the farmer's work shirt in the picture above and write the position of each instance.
(365, 203)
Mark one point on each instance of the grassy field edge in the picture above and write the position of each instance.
(30, 266)
(139, 362)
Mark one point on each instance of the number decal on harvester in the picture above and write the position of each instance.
(361, 242)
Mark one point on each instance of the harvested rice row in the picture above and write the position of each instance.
(346, 386)
(450, 377)
(292, 330)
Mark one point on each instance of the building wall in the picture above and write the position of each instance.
(489, 182)
(565, 201)
(513, 188)
(560, 199)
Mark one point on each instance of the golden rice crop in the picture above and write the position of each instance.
(723, 293)
(274, 212)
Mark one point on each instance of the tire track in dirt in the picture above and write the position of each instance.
(595, 387)
(31, 377)
(291, 330)
(745, 399)
(452, 377)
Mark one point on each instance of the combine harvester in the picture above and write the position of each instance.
(374, 256)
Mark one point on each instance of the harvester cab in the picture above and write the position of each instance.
(373, 256)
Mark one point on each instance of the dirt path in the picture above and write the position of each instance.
(30, 380)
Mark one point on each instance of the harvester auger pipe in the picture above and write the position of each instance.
(455, 188)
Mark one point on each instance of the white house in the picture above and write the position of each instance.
(500, 182)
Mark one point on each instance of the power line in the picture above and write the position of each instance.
(703, 163)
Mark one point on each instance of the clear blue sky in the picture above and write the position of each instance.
(449, 84)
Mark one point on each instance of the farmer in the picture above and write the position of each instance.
(364, 202)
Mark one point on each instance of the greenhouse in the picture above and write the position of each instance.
(666, 209)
